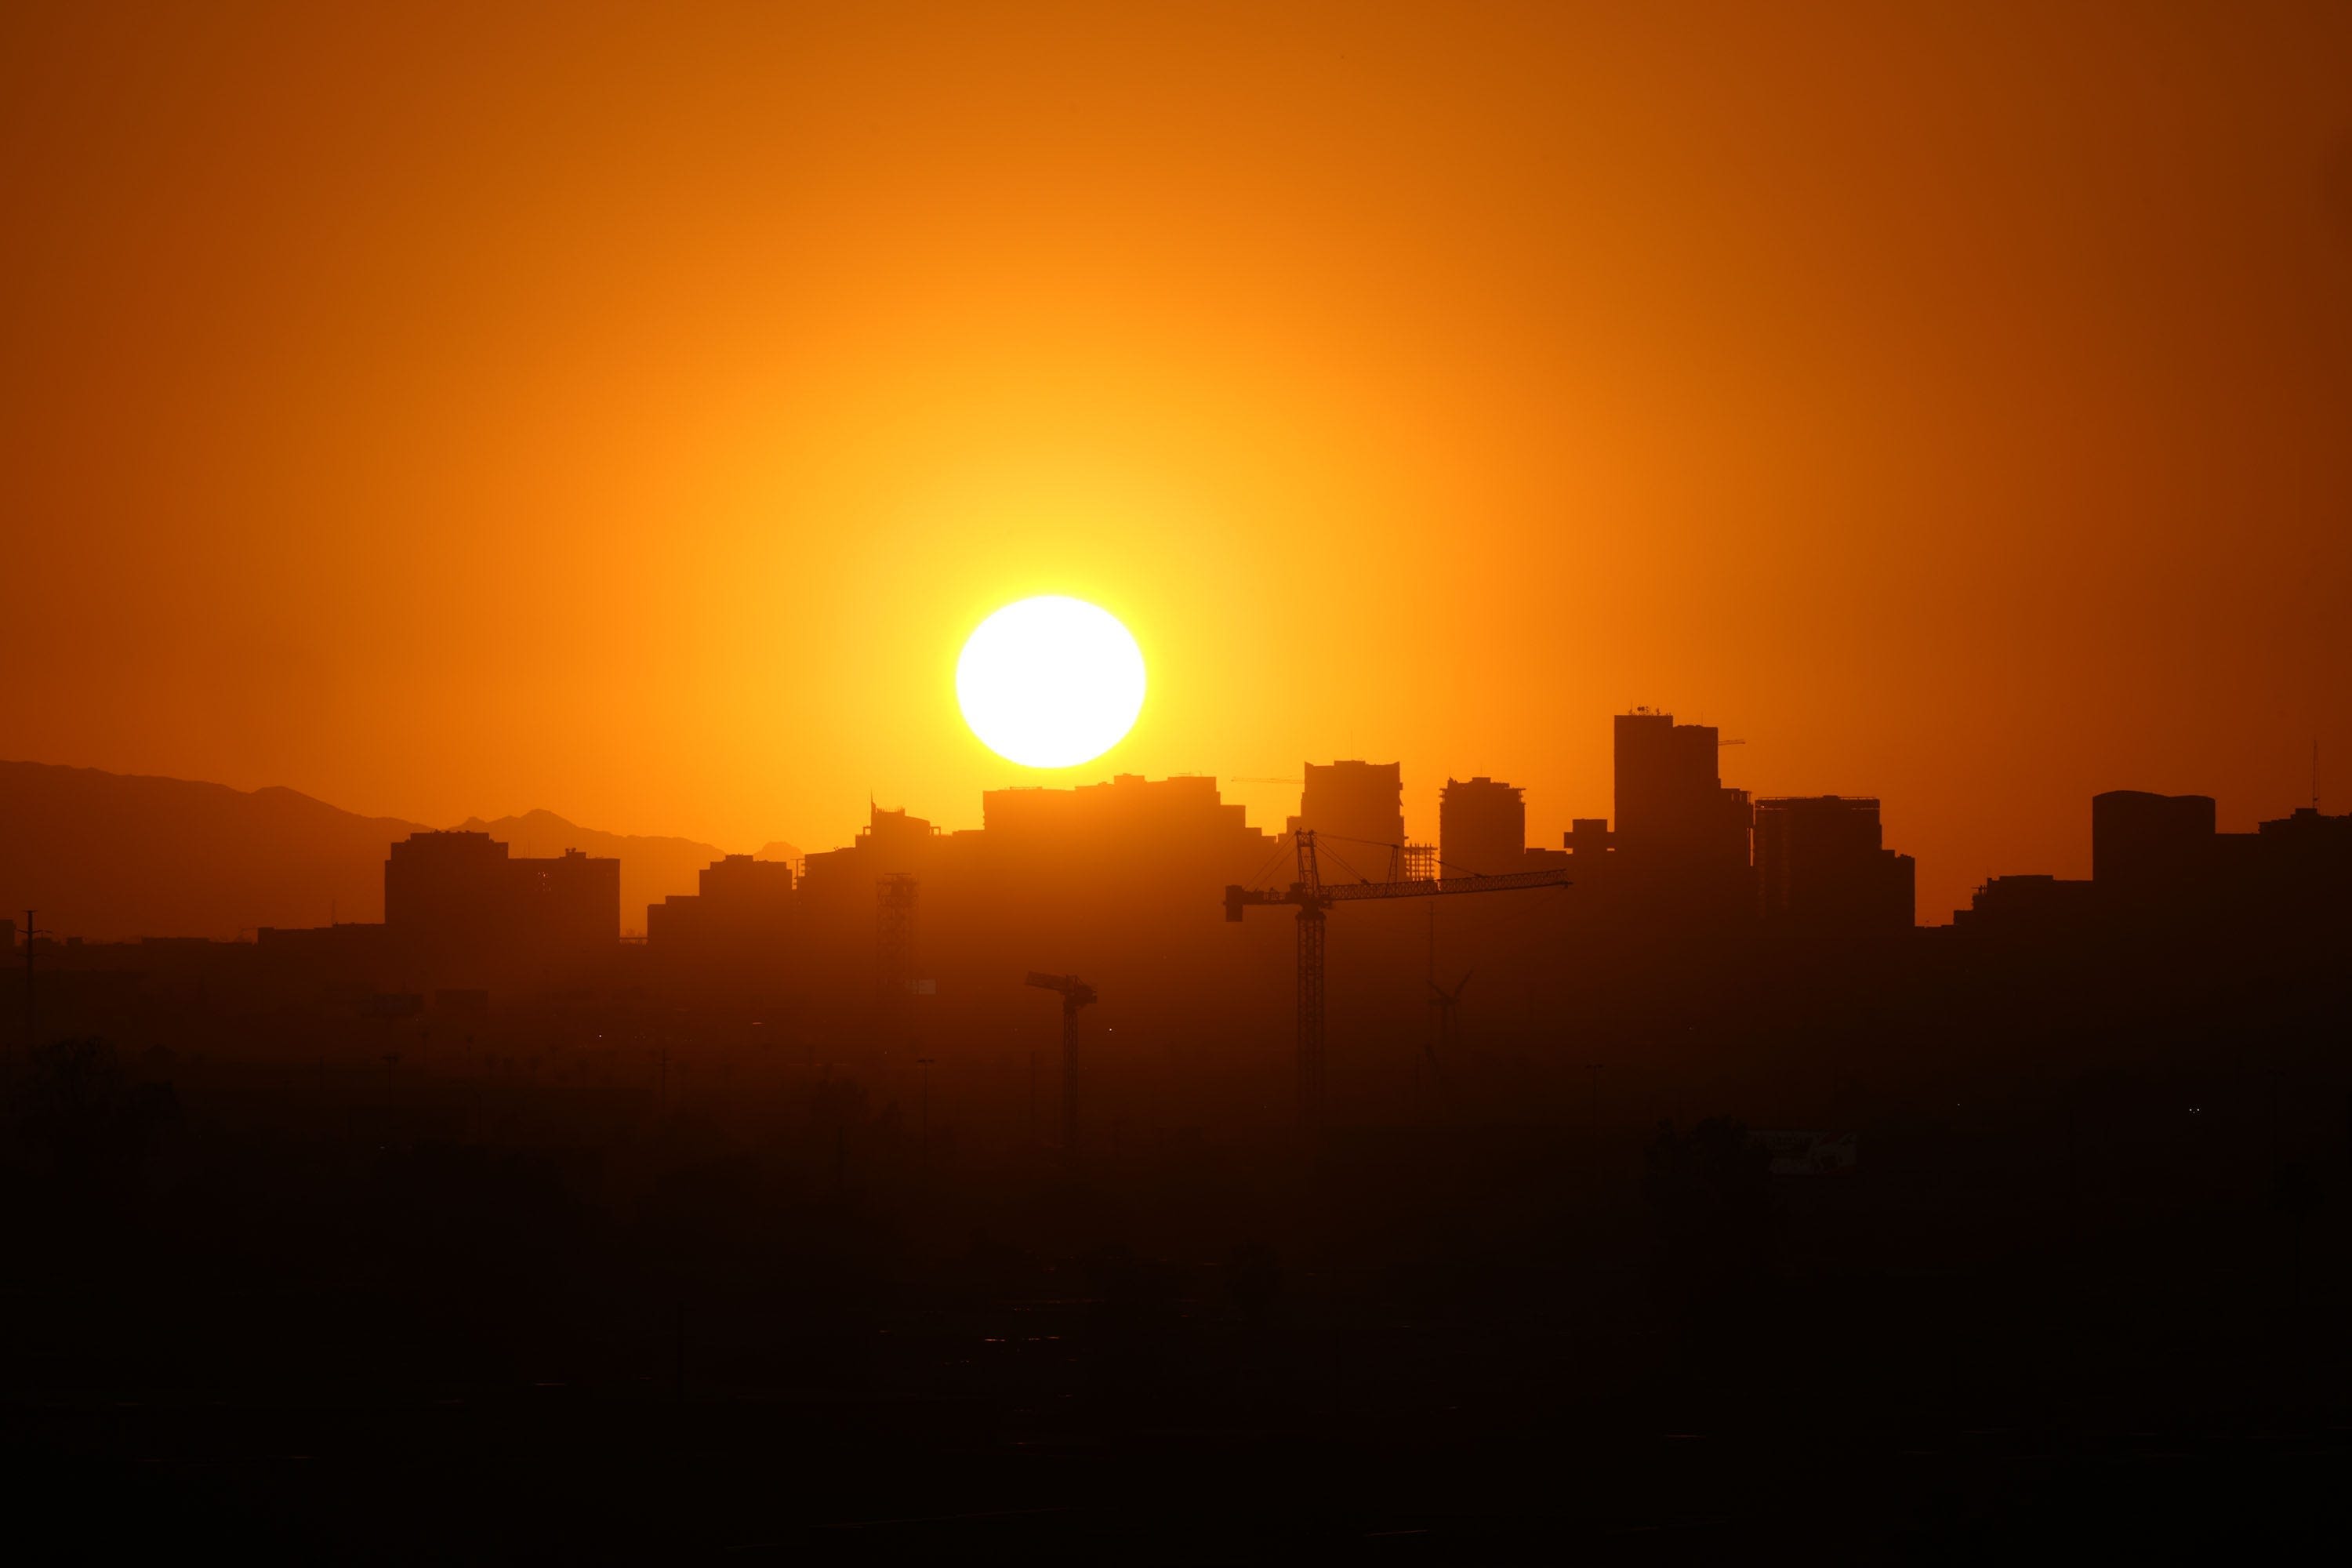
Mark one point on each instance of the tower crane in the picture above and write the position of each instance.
(1312, 896)
(1444, 1002)
(1441, 1002)
(1075, 993)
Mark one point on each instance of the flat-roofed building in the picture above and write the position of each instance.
(459, 909)
(1482, 829)
(1821, 864)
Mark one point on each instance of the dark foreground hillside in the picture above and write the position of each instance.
(524, 1309)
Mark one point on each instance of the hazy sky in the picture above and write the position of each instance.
(628, 411)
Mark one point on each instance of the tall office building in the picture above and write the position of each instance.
(2150, 844)
(1355, 801)
(1681, 837)
(742, 911)
(1147, 841)
(1821, 864)
(1482, 829)
(460, 911)
(1130, 809)
(2159, 857)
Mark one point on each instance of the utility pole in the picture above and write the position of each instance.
(924, 1135)
(1429, 977)
(31, 932)
(1593, 1070)
(894, 940)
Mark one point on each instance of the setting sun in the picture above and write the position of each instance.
(1050, 682)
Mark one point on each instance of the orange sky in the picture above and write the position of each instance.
(629, 411)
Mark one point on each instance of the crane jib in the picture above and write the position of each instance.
(1310, 896)
(1239, 898)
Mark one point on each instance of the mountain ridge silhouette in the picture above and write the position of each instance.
(109, 857)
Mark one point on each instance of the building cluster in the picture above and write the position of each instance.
(1123, 873)
(462, 915)
(1124, 879)
(2161, 858)
(742, 907)
(1684, 846)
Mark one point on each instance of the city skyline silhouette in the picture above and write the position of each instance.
(40, 798)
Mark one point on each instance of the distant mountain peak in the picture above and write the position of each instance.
(113, 855)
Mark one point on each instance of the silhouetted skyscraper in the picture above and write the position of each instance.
(460, 909)
(1482, 829)
(1681, 839)
(1821, 864)
(895, 840)
(443, 881)
(739, 922)
(740, 881)
(2159, 864)
(891, 841)
(1143, 841)
(2147, 845)
(1590, 849)
(2298, 867)
(1129, 806)
(1354, 800)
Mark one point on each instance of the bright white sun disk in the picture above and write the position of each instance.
(1050, 682)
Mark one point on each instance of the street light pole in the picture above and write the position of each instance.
(32, 930)
(925, 1134)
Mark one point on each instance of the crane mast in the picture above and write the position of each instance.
(1311, 897)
